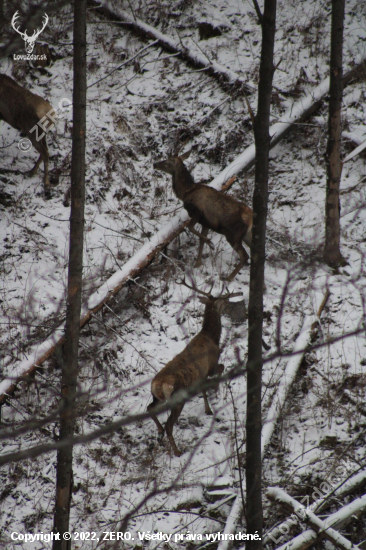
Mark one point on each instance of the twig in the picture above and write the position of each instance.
(124, 63)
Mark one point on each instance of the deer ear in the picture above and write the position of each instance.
(185, 155)
(203, 299)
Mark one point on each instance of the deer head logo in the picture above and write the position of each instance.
(29, 40)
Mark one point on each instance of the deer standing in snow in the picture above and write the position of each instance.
(212, 209)
(195, 363)
(31, 115)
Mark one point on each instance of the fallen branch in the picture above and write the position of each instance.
(320, 527)
(102, 296)
(43, 351)
(344, 488)
(355, 152)
(352, 136)
(193, 56)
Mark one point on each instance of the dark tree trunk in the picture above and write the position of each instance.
(70, 352)
(332, 253)
(2, 15)
(254, 512)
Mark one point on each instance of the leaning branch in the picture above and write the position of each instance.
(258, 12)
(289, 374)
(43, 351)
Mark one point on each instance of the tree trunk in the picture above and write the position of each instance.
(254, 512)
(70, 355)
(332, 253)
(2, 15)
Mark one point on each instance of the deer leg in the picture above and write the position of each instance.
(190, 226)
(46, 182)
(238, 247)
(34, 170)
(67, 197)
(41, 147)
(155, 402)
(207, 406)
(174, 415)
(201, 245)
(218, 369)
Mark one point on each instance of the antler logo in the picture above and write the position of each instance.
(29, 40)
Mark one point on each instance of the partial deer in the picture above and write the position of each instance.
(212, 209)
(195, 363)
(24, 110)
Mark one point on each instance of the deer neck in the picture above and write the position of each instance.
(212, 323)
(182, 181)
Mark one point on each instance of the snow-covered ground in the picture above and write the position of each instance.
(135, 116)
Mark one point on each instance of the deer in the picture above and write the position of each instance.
(198, 360)
(212, 209)
(28, 113)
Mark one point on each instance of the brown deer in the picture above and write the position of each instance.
(31, 115)
(195, 363)
(212, 209)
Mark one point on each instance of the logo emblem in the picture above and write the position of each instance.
(29, 40)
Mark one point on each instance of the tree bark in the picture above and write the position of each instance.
(70, 351)
(2, 15)
(254, 511)
(332, 253)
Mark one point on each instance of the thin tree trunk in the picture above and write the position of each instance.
(254, 511)
(332, 253)
(70, 355)
(2, 16)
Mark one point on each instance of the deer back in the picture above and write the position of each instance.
(19, 107)
(217, 211)
(198, 359)
(193, 364)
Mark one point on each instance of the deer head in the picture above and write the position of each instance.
(29, 40)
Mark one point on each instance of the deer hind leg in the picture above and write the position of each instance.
(155, 402)
(207, 406)
(34, 170)
(201, 245)
(174, 415)
(201, 235)
(240, 250)
(217, 370)
(41, 147)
